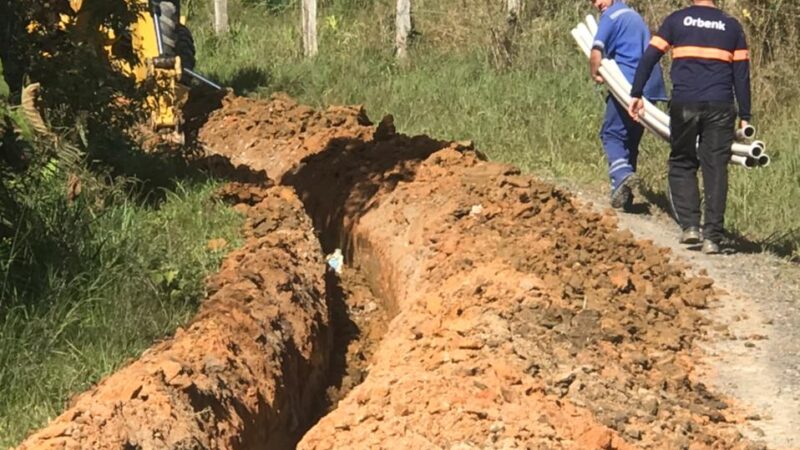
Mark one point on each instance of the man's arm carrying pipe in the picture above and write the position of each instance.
(583, 37)
(595, 58)
(741, 79)
(649, 60)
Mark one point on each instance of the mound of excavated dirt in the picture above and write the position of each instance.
(244, 373)
(522, 319)
(516, 317)
(244, 131)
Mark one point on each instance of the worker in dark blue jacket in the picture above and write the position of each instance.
(710, 68)
(622, 36)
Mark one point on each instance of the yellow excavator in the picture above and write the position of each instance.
(163, 54)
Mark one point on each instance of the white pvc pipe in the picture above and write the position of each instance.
(761, 144)
(616, 72)
(617, 82)
(746, 150)
(620, 92)
(591, 23)
(743, 161)
(746, 134)
(579, 39)
(586, 36)
(583, 37)
(649, 108)
(764, 160)
(624, 99)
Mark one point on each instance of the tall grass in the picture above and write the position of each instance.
(103, 248)
(543, 114)
(99, 295)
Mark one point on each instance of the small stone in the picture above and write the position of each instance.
(633, 432)
(650, 406)
(170, 369)
(497, 427)
(217, 244)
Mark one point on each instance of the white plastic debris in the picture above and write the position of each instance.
(335, 260)
(476, 210)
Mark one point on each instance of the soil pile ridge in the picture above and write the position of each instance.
(244, 373)
(245, 131)
(522, 319)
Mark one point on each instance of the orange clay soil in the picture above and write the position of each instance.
(516, 317)
(243, 373)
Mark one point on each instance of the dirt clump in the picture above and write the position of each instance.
(244, 373)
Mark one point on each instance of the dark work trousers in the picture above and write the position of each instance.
(713, 124)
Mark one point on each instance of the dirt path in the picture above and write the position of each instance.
(753, 354)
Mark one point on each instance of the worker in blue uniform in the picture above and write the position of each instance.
(710, 68)
(622, 35)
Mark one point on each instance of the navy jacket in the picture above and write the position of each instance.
(710, 59)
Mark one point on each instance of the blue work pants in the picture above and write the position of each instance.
(620, 136)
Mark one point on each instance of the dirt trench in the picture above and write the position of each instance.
(520, 319)
(502, 313)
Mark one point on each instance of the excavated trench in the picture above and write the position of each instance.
(504, 314)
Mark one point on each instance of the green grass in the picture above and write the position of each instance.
(542, 115)
(138, 277)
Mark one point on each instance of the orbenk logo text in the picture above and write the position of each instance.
(690, 21)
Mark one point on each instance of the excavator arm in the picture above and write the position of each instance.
(159, 53)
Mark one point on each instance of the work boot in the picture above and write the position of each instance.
(710, 247)
(628, 206)
(623, 194)
(691, 236)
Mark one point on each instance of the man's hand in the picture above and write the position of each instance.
(594, 65)
(636, 109)
(744, 123)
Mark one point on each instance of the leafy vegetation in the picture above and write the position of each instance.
(103, 248)
(543, 113)
(97, 291)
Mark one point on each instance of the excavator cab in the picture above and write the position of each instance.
(164, 54)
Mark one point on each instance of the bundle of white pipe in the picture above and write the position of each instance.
(746, 152)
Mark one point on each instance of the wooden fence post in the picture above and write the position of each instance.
(513, 9)
(309, 13)
(403, 28)
(504, 46)
(220, 16)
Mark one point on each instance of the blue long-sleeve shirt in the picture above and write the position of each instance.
(622, 35)
(710, 58)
